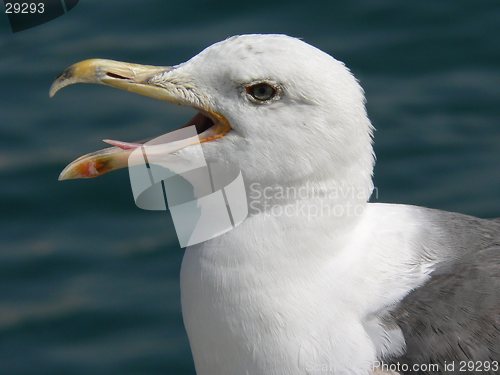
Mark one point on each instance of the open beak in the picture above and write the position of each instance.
(157, 82)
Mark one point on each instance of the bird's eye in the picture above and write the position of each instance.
(261, 91)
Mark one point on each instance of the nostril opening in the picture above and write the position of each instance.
(114, 75)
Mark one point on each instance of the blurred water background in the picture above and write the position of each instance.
(88, 282)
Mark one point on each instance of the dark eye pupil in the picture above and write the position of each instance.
(262, 91)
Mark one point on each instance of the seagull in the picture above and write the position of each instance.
(315, 280)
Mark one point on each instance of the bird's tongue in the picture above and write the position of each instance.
(109, 159)
(122, 145)
(106, 160)
(112, 158)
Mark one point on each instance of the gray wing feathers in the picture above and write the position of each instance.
(455, 316)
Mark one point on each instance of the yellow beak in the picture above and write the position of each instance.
(157, 82)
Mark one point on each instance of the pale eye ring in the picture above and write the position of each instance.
(261, 91)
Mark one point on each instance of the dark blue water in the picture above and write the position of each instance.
(89, 282)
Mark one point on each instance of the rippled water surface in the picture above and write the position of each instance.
(88, 282)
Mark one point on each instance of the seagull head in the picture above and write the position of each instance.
(278, 108)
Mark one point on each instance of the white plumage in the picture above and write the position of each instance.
(323, 283)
